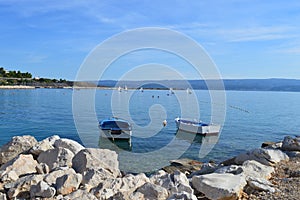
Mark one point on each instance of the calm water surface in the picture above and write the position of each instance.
(251, 118)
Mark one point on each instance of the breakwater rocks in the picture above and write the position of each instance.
(59, 168)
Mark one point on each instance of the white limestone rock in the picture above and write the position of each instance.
(42, 190)
(72, 145)
(17, 145)
(43, 145)
(152, 191)
(264, 156)
(219, 186)
(21, 165)
(125, 186)
(174, 183)
(21, 187)
(58, 157)
(50, 178)
(68, 183)
(253, 168)
(92, 158)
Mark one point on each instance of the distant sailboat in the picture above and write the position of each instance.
(171, 91)
(141, 89)
(125, 88)
(119, 89)
(188, 90)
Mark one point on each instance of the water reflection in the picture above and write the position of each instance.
(115, 145)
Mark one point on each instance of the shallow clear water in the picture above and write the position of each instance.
(269, 116)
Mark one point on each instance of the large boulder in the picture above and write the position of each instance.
(265, 156)
(183, 196)
(174, 183)
(252, 168)
(2, 196)
(21, 165)
(72, 145)
(50, 178)
(44, 145)
(58, 157)
(21, 187)
(257, 184)
(291, 144)
(220, 186)
(96, 158)
(42, 190)
(68, 183)
(80, 195)
(116, 187)
(17, 145)
(151, 191)
(92, 177)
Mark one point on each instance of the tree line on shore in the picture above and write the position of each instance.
(25, 78)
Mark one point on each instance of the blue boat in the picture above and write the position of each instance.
(115, 128)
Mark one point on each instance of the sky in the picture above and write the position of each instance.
(244, 38)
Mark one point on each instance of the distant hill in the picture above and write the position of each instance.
(229, 84)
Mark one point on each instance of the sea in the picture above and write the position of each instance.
(249, 118)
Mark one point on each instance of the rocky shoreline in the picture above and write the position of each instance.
(60, 168)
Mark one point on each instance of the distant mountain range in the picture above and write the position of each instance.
(229, 84)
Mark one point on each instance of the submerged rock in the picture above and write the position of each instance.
(17, 145)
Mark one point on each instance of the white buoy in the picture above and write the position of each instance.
(165, 123)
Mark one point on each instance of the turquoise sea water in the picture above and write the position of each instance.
(251, 118)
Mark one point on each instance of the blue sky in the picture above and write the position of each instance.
(246, 38)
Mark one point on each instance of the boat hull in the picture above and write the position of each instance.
(192, 128)
(116, 135)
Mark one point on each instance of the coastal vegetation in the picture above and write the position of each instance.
(12, 78)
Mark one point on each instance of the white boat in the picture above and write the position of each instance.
(188, 90)
(119, 89)
(125, 88)
(197, 127)
(171, 91)
(115, 129)
(142, 89)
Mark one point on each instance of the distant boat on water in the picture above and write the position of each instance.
(171, 91)
(119, 89)
(197, 127)
(141, 89)
(125, 88)
(189, 91)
